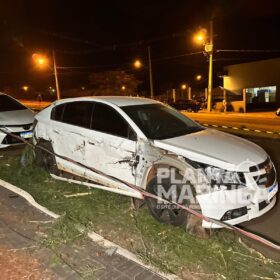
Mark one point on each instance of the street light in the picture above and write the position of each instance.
(183, 86)
(123, 88)
(198, 77)
(25, 88)
(137, 64)
(42, 62)
(201, 38)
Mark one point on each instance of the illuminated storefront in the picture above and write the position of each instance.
(260, 80)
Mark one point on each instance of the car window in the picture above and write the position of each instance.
(9, 104)
(107, 119)
(158, 121)
(57, 112)
(77, 113)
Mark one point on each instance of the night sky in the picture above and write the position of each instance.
(104, 35)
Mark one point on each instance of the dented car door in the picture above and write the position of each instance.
(70, 125)
(111, 144)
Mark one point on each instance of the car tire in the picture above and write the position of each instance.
(168, 214)
(46, 159)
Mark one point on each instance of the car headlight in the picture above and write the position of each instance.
(221, 179)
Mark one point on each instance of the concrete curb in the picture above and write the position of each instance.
(28, 197)
(92, 235)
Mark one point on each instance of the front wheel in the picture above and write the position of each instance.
(169, 213)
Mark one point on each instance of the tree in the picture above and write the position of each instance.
(115, 82)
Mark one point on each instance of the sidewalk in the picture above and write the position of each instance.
(22, 255)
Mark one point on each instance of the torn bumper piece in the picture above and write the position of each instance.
(235, 206)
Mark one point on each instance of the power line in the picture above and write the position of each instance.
(245, 51)
(176, 56)
(128, 63)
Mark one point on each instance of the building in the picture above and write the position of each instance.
(257, 82)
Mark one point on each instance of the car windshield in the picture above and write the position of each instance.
(9, 104)
(158, 121)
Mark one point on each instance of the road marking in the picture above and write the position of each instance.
(236, 128)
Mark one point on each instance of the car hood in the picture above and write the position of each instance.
(18, 117)
(216, 148)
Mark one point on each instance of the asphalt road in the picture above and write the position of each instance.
(267, 225)
(266, 121)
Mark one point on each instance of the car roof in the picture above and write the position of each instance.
(116, 100)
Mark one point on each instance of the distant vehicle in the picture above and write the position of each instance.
(15, 118)
(187, 105)
(129, 144)
(278, 112)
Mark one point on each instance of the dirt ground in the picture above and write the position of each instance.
(17, 264)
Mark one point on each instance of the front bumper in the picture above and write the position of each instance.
(256, 201)
(8, 141)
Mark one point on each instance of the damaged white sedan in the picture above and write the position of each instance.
(129, 144)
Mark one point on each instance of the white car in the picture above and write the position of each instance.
(14, 118)
(126, 144)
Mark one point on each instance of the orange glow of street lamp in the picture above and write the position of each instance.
(123, 88)
(25, 88)
(200, 36)
(40, 60)
(137, 64)
(183, 86)
(198, 77)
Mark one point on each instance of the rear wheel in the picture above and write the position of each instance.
(44, 157)
(169, 213)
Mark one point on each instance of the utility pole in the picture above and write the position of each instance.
(209, 50)
(150, 74)
(56, 78)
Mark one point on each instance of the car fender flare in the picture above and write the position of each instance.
(170, 161)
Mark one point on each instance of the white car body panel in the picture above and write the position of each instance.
(14, 118)
(114, 157)
(216, 148)
(107, 153)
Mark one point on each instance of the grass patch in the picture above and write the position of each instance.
(169, 248)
